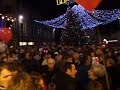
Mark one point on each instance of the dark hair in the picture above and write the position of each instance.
(69, 56)
(85, 58)
(12, 66)
(67, 65)
(36, 77)
(8, 65)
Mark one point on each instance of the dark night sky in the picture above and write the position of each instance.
(48, 8)
(45, 8)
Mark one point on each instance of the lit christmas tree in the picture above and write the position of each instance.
(72, 33)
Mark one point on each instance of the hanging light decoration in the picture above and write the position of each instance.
(88, 20)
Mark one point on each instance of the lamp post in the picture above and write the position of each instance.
(2, 23)
(54, 35)
(20, 19)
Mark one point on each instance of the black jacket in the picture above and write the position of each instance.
(65, 82)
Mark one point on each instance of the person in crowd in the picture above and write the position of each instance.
(96, 74)
(65, 80)
(59, 61)
(100, 57)
(82, 74)
(37, 56)
(94, 58)
(76, 59)
(111, 55)
(118, 76)
(29, 64)
(38, 80)
(69, 58)
(44, 62)
(13, 78)
(22, 52)
(49, 71)
(112, 73)
(70, 51)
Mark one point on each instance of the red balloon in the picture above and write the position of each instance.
(88, 4)
(5, 34)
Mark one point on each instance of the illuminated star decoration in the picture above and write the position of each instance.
(87, 19)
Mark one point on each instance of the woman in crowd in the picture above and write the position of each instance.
(96, 72)
(13, 78)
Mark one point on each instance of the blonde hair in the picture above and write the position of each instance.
(21, 81)
(98, 69)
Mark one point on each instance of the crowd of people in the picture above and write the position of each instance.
(60, 67)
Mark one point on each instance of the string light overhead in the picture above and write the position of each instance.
(88, 20)
(6, 21)
(7, 18)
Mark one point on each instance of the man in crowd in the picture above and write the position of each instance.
(65, 80)
(49, 71)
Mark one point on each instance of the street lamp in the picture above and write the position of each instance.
(20, 19)
(3, 17)
(54, 34)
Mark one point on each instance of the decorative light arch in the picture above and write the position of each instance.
(88, 19)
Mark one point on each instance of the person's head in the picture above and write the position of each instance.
(76, 55)
(86, 60)
(28, 55)
(51, 63)
(98, 51)
(109, 53)
(47, 56)
(70, 69)
(38, 80)
(110, 62)
(96, 71)
(70, 51)
(13, 78)
(92, 54)
(58, 58)
(69, 58)
(7, 71)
